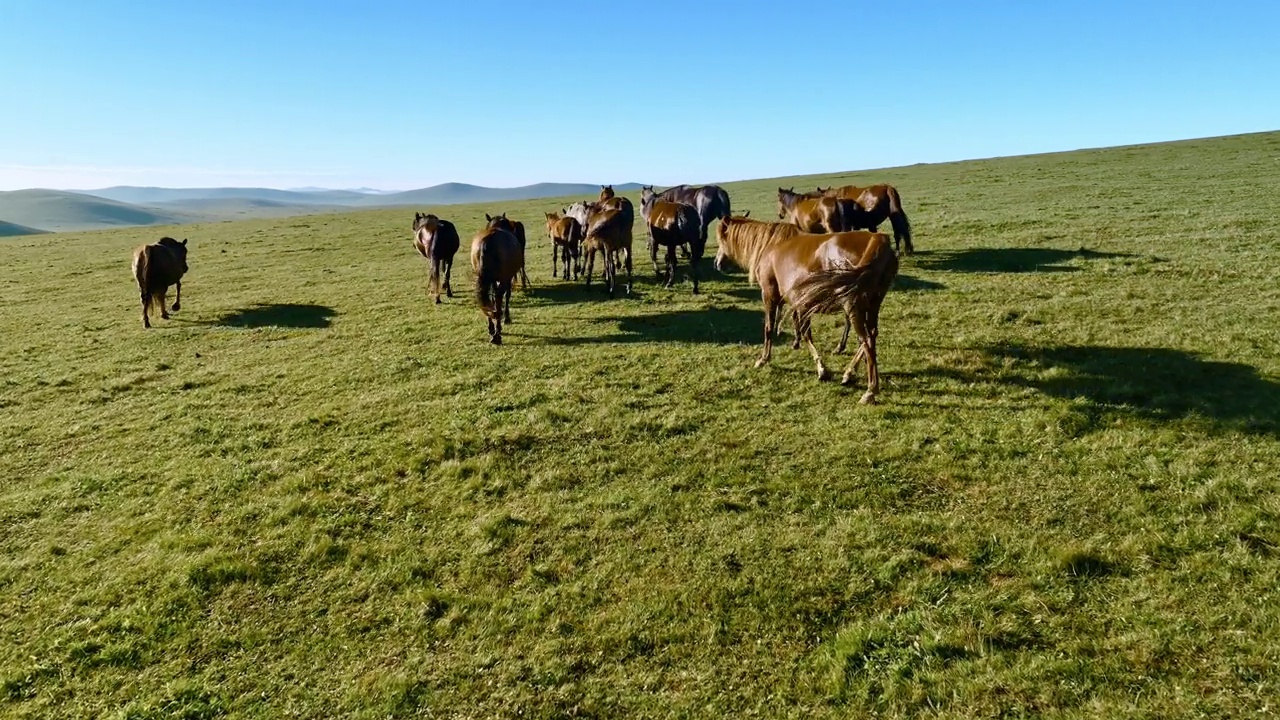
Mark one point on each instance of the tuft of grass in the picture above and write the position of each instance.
(314, 492)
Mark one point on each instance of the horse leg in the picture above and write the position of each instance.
(497, 314)
(873, 368)
(177, 302)
(506, 306)
(610, 271)
(590, 264)
(555, 258)
(448, 270)
(694, 261)
(653, 254)
(671, 266)
(769, 295)
(628, 271)
(795, 328)
(823, 372)
(164, 312)
(855, 316)
(146, 302)
(844, 337)
(435, 278)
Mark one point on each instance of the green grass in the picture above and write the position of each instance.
(314, 493)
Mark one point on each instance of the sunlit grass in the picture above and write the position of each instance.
(314, 493)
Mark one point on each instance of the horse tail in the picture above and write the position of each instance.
(898, 219)
(142, 271)
(486, 274)
(830, 288)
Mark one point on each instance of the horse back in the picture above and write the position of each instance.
(156, 267)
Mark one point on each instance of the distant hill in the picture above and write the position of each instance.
(154, 195)
(58, 210)
(461, 193)
(8, 229)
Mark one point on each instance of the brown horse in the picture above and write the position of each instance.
(817, 273)
(813, 214)
(156, 267)
(515, 227)
(609, 232)
(875, 204)
(496, 258)
(672, 225)
(566, 234)
(436, 240)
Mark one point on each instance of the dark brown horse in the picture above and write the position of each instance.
(437, 240)
(814, 214)
(156, 267)
(566, 234)
(817, 273)
(875, 204)
(515, 227)
(496, 258)
(672, 225)
(609, 232)
(711, 202)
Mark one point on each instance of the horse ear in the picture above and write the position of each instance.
(487, 218)
(184, 242)
(747, 213)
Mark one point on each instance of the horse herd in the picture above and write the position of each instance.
(825, 255)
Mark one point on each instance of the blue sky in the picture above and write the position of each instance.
(397, 95)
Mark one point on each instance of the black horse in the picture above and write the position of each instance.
(711, 202)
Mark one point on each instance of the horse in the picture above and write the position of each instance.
(565, 232)
(156, 267)
(609, 232)
(875, 204)
(588, 212)
(515, 227)
(436, 240)
(816, 273)
(671, 225)
(815, 214)
(711, 202)
(496, 258)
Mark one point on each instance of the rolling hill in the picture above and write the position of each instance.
(8, 229)
(58, 210)
(462, 193)
(156, 195)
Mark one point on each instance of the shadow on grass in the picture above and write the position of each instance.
(1153, 383)
(716, 326)
(1007, 260)
(278, 315)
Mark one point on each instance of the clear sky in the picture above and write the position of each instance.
(399, 95)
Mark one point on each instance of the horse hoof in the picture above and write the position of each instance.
(176, 307)
(496, 340)
(795, 345)
(824, 375)
(164, 316)
(760, 363)
(438, 301)
(869, 398)
(848, 380)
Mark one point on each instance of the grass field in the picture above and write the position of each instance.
(312, 493)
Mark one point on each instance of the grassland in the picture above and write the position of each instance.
(312, 493)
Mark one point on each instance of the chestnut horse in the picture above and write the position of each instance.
(814, 214)
(515, 227)
(496, 258)
(817, 273)
(156, 267)
(672, 225)
(608, 232)
(436, 240)
(566, 234)
(875, 204)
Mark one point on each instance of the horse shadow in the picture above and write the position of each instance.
(1008, 260)
(288, 315)
(1151, 383)
(901, 283)
(715, 326)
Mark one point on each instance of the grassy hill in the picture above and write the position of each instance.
(313, 492)
(462, 193)
(58, 210)
(8, 229)
(157, 195)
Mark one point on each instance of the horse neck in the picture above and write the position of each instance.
(747, 246)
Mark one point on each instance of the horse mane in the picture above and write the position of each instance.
(748, 240)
